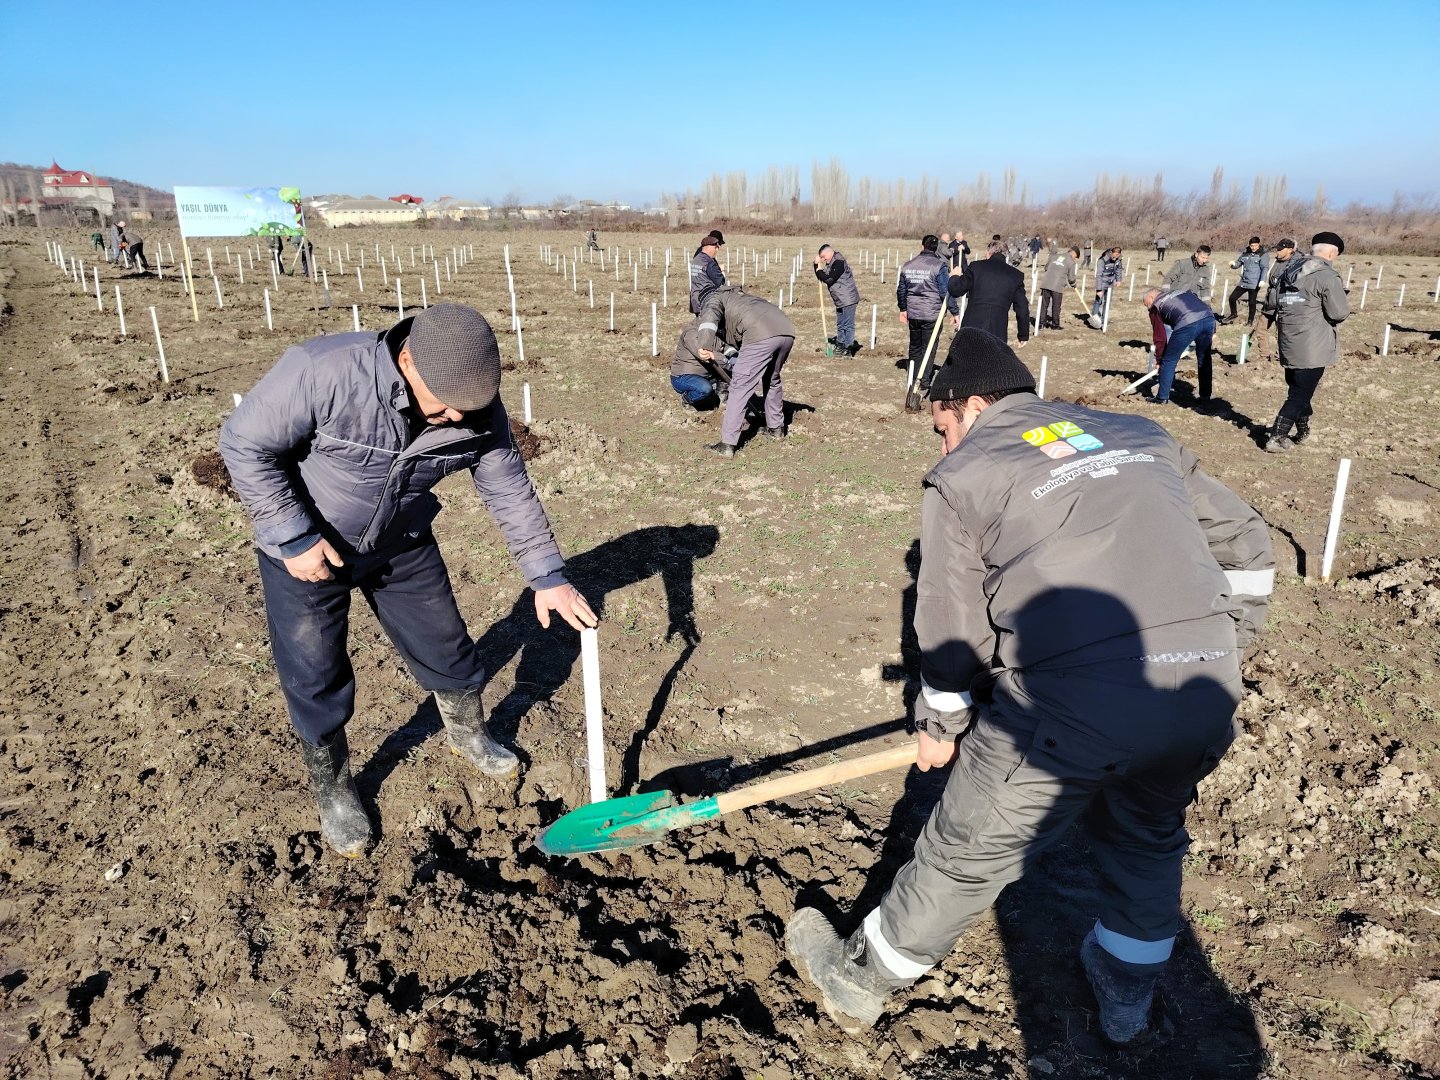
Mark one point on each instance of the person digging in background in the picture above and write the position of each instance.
(1105, 703)
(1059, 276)
(1283, 252)
(1178, 320)
(920, 295)
(334, 453)
(1162, 245)
(762, 336)
(1310, 304)
(699, 381)
(834, 273)
(1107, 275)
(1253, 264)
(134, 249)
(705, 272)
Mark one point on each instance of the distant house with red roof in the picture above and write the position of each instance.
(407, 199)
(78, 188)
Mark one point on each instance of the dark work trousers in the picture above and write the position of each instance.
(1121, 746)
(1302, 383)
(1160, 253)
(136, 251)
(1251, 294)
(1050, 300)
(920, 331)
(1202, 335)
(409, 591)
(757, 367)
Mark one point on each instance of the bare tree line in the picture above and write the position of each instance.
(1117, 209)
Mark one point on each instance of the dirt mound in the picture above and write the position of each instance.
(209, 471)
(530, 445)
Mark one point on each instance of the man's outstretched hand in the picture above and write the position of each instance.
(567, 602)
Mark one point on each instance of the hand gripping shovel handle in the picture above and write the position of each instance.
(809, 779)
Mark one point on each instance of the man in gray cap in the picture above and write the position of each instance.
(1309, 302)
(334, 453)
(1066, 680)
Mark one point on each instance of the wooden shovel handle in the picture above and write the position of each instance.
(808, 780)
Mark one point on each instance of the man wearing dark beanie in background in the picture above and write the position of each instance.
(1309, 302)
(334, 454)
(1083, 596)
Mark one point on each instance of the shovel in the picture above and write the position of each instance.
(829, 349)
(636, 820)
(913, 402)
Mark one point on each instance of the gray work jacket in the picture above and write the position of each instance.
(839, 279)
(705, 274)
(920, 287)
(1189, 276)
(1059, 273)
(323, 446)
(731, 316)
(1055, 537)
(1310, 304)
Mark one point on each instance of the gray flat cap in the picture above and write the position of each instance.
(457, 355)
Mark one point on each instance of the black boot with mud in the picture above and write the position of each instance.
(1279, 440)
(343, 821)
(464, 717)
(1123, 991)
(852, 986)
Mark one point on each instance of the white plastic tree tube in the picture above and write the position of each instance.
(525, 397)
(355, 316)
(1385, 342)
(1044, 367)
(874, 313)
(594, 714)
(159, 345)
(269, 318)
(120, 310)
(1332, 534)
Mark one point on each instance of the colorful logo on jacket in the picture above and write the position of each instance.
(1061, 439)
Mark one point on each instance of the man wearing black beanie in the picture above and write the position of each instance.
(1083, 596)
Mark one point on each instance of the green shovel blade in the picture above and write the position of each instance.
(628, 822)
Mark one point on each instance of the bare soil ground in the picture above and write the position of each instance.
(167, 908)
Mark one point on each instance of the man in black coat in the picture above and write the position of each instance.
(994, 287)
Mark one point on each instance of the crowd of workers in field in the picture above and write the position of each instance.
(739, 343)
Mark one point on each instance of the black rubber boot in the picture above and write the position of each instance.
(343, 821)
(1279, 440)
(464, 718)
(773, 432)
(724, 449)
(1123, 991)
(854, 348)
(1302, 431)
(852, 985)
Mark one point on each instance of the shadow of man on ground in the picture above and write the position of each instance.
(547, 657)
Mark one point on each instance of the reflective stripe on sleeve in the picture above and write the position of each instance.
(1133, 950)
(944, 701)
(900, 966)
(708, 326)
(1251, 582)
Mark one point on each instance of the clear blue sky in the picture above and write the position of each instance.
(625, 101)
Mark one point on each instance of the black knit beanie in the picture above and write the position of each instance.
(979, 364)
(456, 354)
(1329, 238)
